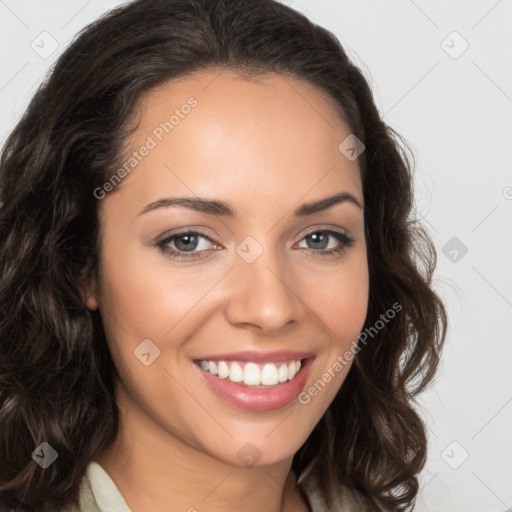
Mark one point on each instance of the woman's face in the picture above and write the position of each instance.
(259, 269)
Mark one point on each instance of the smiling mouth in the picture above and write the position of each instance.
(254, 375)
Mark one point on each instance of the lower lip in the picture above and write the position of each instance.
(259, 399)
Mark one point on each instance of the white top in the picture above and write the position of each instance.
(106, 494)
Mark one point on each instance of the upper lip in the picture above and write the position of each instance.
(257, 356)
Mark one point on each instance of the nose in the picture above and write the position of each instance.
(264, 295)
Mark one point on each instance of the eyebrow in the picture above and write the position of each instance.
(215, 207)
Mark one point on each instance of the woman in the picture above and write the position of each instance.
(213, 296)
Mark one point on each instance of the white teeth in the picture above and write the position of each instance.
(212, 367)
(269, 375)
(236, 373)
(223, 369)
(283, 373)
(253, 374)
(291, 370)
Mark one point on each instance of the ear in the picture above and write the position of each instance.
(90, 292)
(90, 298)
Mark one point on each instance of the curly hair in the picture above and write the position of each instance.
(57, 376)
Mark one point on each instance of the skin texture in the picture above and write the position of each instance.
(265, 146)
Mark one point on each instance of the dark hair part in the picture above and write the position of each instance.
(57, 375)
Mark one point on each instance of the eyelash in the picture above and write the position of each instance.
(346, 242)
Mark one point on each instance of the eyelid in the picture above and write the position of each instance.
(322, 227)
(196, 230)
(176, 234)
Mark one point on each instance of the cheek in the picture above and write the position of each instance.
(341, 304)
(340, 298)
(145, 294)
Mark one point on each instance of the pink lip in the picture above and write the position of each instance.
(258, 357)
(259, 399)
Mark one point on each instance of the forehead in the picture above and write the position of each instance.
(263, 103)
(218, 129)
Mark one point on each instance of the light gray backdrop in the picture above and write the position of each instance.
(441, 74)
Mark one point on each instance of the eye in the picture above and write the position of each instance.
(326, 242)
(190, 245)
(185, 245)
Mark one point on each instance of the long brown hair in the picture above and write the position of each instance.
(56, 373)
